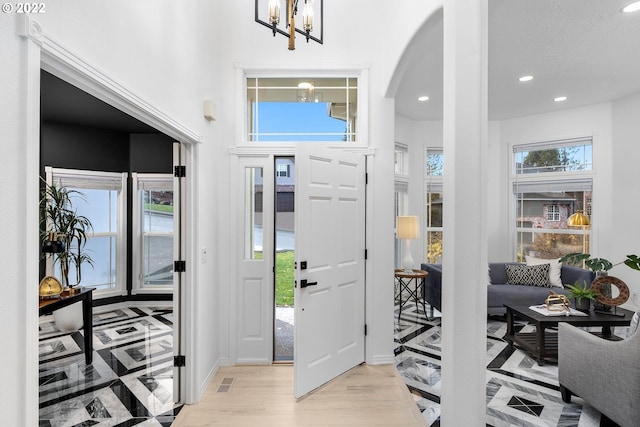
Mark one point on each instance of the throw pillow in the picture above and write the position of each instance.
(633, 326)
(554, 271)
(534, 275)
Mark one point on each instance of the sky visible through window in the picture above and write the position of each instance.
(285, 121)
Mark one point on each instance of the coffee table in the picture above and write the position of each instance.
(543, 343)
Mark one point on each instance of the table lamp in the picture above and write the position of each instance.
(407, 229)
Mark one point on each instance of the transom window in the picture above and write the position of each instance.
(568, 155)
(321, 109)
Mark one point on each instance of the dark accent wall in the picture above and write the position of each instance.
(150, 153)
(79, 147)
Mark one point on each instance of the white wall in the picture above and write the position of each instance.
(624, 235)
(18, 365)
(420, 135)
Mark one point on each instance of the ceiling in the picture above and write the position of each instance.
(61, 102)
(586, 50)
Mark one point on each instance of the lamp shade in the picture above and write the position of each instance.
(408, 227)
(578, 219)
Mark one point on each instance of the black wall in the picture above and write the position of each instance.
(81, 147)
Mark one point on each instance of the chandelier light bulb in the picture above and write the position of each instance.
(307, 17)
(274, 11)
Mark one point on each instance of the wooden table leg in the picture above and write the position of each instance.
(540, 341)
(87, 318)
(510, 327)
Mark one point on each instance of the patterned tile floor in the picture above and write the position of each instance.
(519, 391)
(130, 381)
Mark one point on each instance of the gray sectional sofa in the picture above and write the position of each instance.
(499, 292)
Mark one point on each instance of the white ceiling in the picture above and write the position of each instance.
(586, 50)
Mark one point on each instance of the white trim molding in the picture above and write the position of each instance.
(64, 63)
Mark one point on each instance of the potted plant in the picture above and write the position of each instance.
(600, 264)
(582, 296)
(601, 267)
(61, 220)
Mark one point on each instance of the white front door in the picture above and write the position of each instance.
(330, 253)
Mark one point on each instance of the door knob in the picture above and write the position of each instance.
(304, 283)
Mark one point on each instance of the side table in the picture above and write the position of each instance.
(409, 281)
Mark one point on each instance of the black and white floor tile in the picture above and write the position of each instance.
(519, 391)
(130, 381)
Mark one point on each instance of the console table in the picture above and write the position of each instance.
(49, 305)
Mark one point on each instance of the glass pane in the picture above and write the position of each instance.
(542, 229)
(434, 210)
(100, 206)
(435, 162)
(561, 159)
(102, 274)
(253, 213)
(157, 211)
(548, 245)
(434, 247)
(157, 260)
(434, 227)
(299, 110)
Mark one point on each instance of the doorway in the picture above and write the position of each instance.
(284, 271)
(150, 332)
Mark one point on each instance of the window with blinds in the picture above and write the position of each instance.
(152, 233)
(551, 181)
(101, 198)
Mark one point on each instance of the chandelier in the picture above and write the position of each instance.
(268, 14)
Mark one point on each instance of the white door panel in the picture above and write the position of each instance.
(254, 292)
(330, 220)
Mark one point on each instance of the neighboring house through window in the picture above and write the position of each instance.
(551, 181)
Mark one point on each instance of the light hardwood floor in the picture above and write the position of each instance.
(263, 396)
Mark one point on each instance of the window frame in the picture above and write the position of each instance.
(84, 179)
(571, 180)
(138, 234)
(432, 184)
(243, 107)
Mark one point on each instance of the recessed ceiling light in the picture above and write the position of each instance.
(423, 98)
(632, 7)
(560, 99)
(305, 85)
(525, 78)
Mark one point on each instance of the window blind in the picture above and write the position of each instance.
(585, 184)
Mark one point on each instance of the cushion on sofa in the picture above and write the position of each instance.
(534, 275)
(555, 267)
